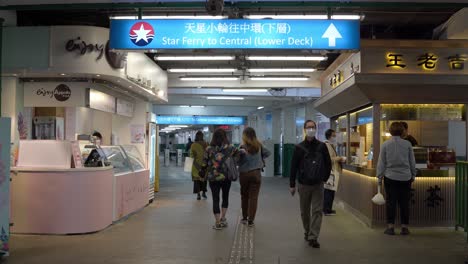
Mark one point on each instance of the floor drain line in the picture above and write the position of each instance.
(242, 251)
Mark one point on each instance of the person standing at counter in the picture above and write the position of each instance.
(197, 152)
(97, 138)
(397, 168)
(407, 136)
(311, 165)
(215, 158)
(331, 186)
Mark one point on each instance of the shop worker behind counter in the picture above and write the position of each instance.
(407, 136)
(311, 164)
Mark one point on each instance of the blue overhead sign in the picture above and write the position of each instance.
(234, 34)
(199, 120)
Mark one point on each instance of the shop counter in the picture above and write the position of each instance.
(61, 201)
(432, 198)
(130, 193)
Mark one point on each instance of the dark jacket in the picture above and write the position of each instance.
(298, 160)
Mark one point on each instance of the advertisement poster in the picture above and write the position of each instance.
(137, 132)
(5, 126)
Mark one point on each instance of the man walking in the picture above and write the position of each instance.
(311, 164)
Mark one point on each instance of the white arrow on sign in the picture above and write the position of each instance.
(332, 34)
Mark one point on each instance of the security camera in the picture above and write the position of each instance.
(214, 7)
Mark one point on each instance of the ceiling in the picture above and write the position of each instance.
(381, 21)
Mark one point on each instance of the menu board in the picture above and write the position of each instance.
(124, 107)
(5, 126)
(100, 101)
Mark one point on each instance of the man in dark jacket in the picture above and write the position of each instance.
(311, 180)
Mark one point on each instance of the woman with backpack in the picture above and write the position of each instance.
(197, 152)
(218, 155)
(251, 164)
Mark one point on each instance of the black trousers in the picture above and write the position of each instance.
(217, 187)
(398, 193)
(199, 186)
(329, 197)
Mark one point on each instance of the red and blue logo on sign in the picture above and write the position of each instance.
(141, 34)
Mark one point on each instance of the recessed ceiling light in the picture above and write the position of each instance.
(161, 93)
(98, 75)
(62, 74)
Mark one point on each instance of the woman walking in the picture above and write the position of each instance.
(197, 152)
(215, 159)
(251, 163)
(397, 167)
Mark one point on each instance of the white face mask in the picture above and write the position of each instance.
(311, 132)
(333, 140)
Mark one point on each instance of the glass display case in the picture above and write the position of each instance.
(116, 157)
(134, 157)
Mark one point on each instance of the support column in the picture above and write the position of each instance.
(289, 134)
(348, 137)
(376, 113)
(466, 130)
(276, 140)
(1, 66)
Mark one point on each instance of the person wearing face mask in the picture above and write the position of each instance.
(331, 186)
(311, 166)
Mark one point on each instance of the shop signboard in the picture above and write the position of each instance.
(200, 120)
(5, 126)
(100, 101)
(124, 107)
(55, 94)
(234, 34)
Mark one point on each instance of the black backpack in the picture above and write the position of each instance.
(312, 167)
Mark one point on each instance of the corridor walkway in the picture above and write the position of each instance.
(176, 229)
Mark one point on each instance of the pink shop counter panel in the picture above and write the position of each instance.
(72, 201)
(131, 193)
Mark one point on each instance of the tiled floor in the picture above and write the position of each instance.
(177, 229)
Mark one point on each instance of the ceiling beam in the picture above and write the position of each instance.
(244, 5)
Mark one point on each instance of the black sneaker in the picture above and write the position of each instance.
(251, 224)
(390, 231)
(198, 197)
(329, 213)
(314, 243)
(306, 237)
(204, 196)
(404, 231)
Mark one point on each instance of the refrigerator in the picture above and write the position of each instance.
(152, 158)
(5, 130)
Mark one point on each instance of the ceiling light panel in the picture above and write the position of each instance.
(245, 90)
(194, 58)
(224, 98)
(286, 58)
(282, 70)
(278, 78)
(233, 78)
(200, 70)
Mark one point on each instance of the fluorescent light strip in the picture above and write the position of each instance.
(306, 17)
(178, 126)
(260, 107)
(279, 78)
(192, 106)
(200, 70)
(281, 70)
(168, 17)
(184, 106)
(224, 98)
(286, 17)
(245, 90)
(346, 17)
(209, 78)
(194, 58)
(286, 58)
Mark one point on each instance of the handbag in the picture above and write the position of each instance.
(188, 164)
(378, 199)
